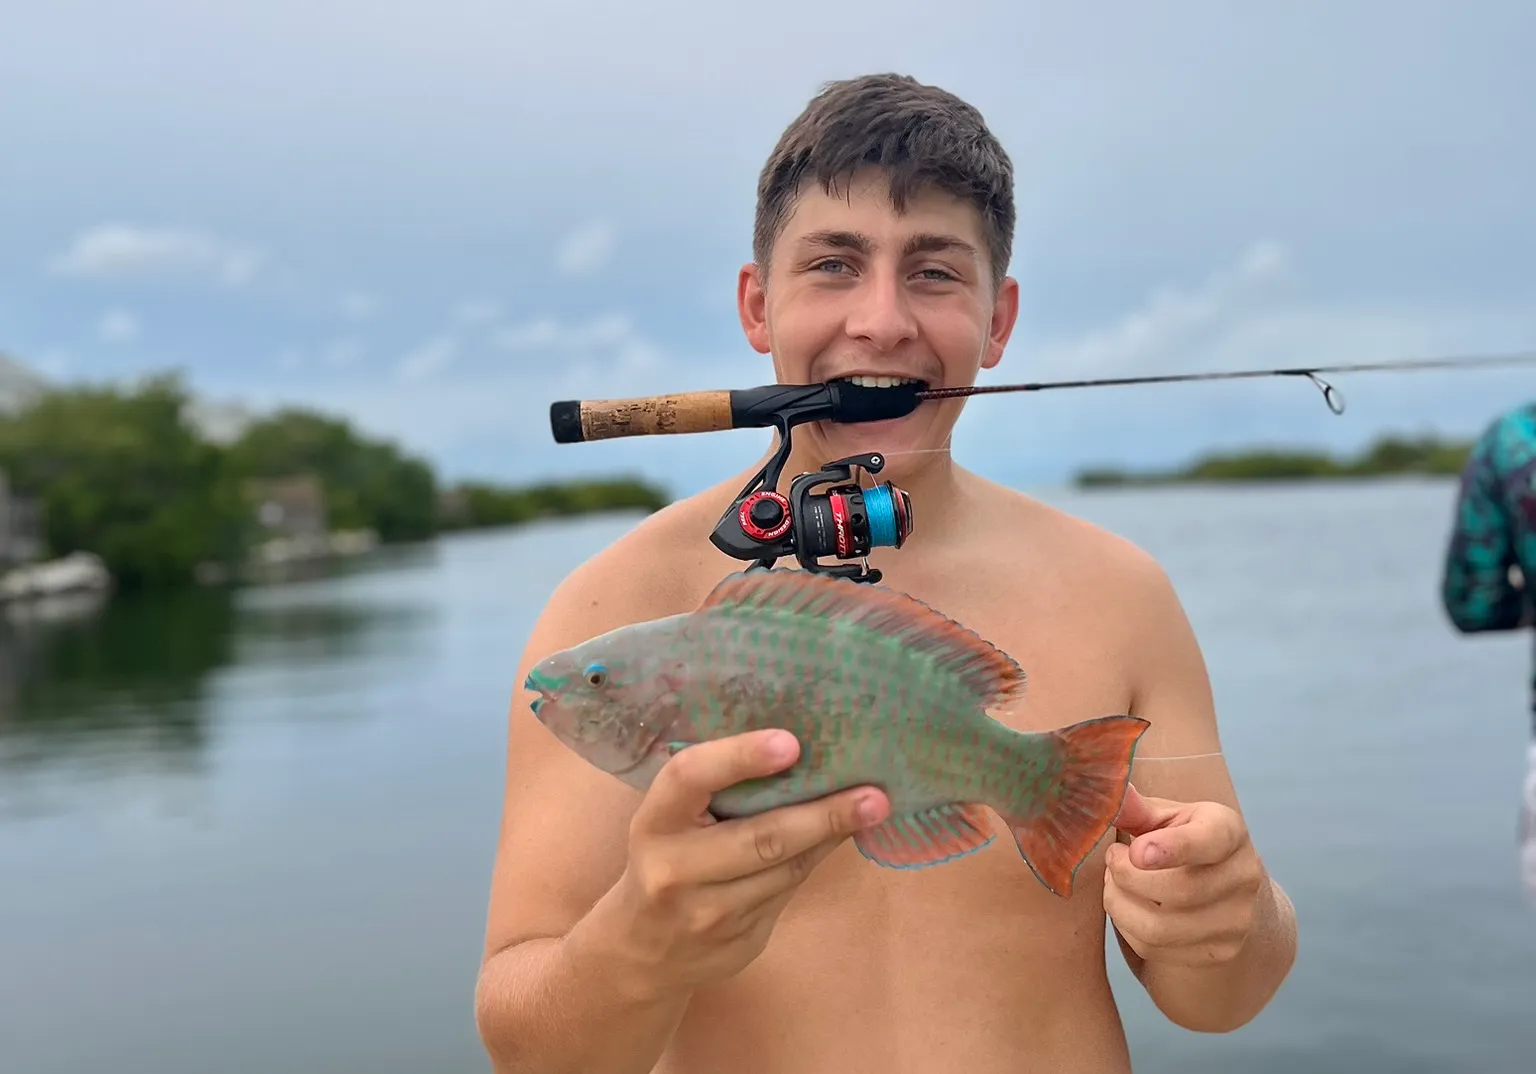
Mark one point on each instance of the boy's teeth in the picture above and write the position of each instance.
(880, 382)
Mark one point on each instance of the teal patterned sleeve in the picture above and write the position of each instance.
(1495, 522)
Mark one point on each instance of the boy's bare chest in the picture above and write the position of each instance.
(1072, 660)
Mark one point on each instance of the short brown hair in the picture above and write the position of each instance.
(918, 135)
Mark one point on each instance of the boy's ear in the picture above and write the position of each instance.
(1005, 314)
(752, 307)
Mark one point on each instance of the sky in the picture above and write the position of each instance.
(436, 218)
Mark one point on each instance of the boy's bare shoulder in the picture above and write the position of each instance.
(564, 822)
(663, 565)
(1089, 553)
(1123, 596)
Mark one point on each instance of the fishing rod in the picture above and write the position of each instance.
(847, 520)
(578, 421)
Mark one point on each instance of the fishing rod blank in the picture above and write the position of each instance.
(1331, 394)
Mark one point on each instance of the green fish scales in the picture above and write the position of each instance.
(878, 688)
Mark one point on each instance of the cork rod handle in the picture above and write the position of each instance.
(575, 421)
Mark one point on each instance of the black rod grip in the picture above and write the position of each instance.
(574, 421)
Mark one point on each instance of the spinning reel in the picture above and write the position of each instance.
(845, 521)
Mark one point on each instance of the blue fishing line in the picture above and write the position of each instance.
(882, 517)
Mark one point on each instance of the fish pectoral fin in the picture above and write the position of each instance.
(927, 837)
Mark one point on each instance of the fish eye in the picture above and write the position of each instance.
(595, 674)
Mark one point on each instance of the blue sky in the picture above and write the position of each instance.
(436, 218)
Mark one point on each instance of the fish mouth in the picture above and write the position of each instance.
(566, 727)
(541, 686)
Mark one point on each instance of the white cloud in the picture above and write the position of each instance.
(1175, 319)
(549, 334)
(612, 340)
(358, 305)
(342, 352)
(118, 326)
(1252, 314)
(123, 252)
(473, 311)
(429, 359)
(440, 401)
(587, 249)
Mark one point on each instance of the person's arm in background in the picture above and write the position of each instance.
(1478, 588)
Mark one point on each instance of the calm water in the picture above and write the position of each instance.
(254, 835)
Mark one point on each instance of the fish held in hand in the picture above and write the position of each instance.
(878, 687)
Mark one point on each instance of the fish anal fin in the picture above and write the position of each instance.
(991, 674)
(928, 837)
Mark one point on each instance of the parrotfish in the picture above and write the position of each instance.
(879, 688)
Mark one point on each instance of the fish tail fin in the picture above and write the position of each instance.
(1075, 786)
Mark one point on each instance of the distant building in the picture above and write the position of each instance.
(21, 518)
(218, 423)
(452, 507)
(21, 527)
(289, 507)
(19, 385)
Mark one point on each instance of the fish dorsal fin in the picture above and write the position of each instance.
(993, 675)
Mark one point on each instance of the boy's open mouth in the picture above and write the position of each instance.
(864, 380)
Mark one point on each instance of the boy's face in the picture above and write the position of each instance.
(853, 287)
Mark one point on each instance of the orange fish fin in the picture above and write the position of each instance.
(993, 675)
(1065, 824)
(928, 837)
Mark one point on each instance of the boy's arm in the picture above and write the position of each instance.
(1213, 965)
(1477, 589)
(608, 907)
(550, 996)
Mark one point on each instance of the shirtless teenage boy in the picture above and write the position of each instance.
(630, 934)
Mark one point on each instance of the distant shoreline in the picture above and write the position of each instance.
(1388, 456)
(129, 477)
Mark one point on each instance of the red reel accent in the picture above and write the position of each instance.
(752, 529)
(842, 530)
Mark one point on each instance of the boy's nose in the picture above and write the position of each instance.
(882, 312)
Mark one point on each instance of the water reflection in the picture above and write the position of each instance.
(134, 686)
(60, 673)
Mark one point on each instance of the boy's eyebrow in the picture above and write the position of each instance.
(926, 242)
(839, 240)
(936, 244)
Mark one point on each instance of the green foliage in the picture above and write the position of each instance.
(124, 474)
(478, 504)
(1390, 455)
(368, 484)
